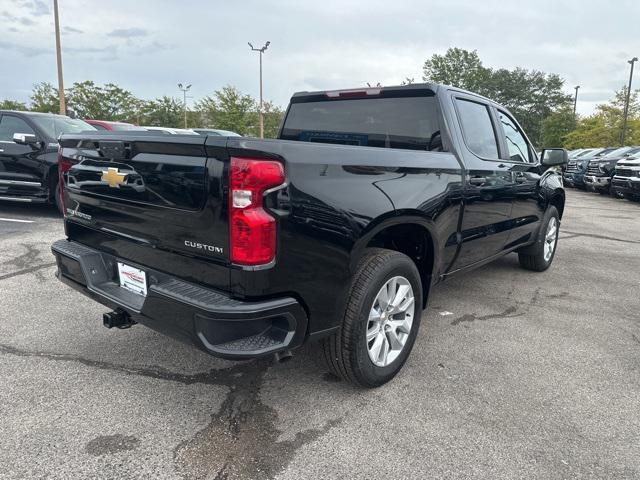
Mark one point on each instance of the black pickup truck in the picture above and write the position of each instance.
(29, 155)
(601, 170)
(334, 233)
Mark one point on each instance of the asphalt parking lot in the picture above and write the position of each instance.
(514, 375)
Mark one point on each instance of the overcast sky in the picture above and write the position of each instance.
(148, 46)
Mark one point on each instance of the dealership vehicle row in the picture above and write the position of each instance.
(608, 171)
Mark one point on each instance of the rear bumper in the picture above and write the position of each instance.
(210, 320)
(627, 187)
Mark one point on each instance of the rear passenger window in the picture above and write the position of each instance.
(516, 144)
(478, 129)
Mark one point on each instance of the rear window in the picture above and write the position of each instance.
(404, 122)
(57, 125)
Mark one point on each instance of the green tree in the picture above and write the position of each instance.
(12, 105)
(604, 127)
(108, 102)
(458, 68)
(556, 127)
(529, 94)
(44, 98)
(273, 116)
(163, 112)
(229, 109)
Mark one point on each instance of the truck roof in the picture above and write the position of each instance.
(398, 89)
(33, 114)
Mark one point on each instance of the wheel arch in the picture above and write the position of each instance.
(557, 199)
(410, 234)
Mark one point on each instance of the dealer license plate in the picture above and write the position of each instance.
(132, 279)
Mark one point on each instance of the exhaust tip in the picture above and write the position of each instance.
(284, 356)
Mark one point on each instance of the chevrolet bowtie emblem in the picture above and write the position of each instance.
(113, 177)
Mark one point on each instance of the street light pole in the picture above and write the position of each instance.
(575, 100)
(260, 51)
(626, 103)
(184, 104)
(56, 19)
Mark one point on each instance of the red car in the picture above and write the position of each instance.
(107, 125)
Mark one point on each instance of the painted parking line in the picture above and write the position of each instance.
(16, 220)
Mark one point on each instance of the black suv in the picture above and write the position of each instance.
(29, 152)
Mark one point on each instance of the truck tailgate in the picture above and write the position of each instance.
(151, 198)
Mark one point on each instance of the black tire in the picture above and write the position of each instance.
(345, 353)
(533, 257)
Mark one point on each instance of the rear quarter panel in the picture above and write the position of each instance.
(337, 198)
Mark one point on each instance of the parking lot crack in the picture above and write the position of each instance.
(470, 317)
(212, 377)
(601, 237)
(241, 441)
(27, 270)
(27, 259)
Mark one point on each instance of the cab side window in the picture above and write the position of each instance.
(10, 125)
(517, 146)
(477, 128)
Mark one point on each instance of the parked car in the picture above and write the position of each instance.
(582, 152)
(600, 171)
(213, 131)
(575, 153)
(626, 181)
(577, 167)
(333, 233)
(29, 154)
(171, 131)
(113, 126)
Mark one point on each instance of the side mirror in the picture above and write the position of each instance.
(552, 157)
(25, 139)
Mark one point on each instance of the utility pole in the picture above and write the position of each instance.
(626, 104)
(56, 18)
(260, 51)
(575, 99)
(184, 91)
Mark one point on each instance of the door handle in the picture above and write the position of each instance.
(478, 180)
(520, 178)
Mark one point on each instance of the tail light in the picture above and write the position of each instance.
(252, 230)
(64, 165)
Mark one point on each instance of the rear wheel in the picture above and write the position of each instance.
(380, 323)
(538, 257)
